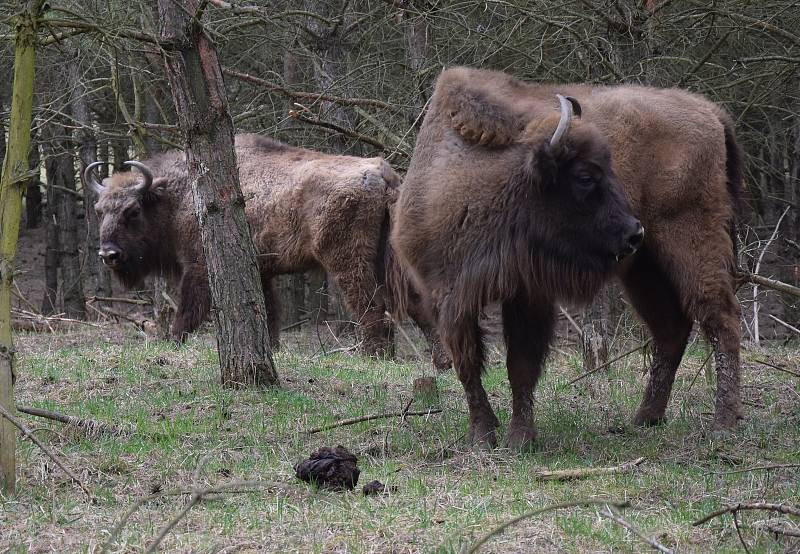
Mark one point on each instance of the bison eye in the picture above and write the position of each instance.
(586, 183)
(132, 212)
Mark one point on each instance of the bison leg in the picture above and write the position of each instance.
(528, 330)
(271, 299)
(195, 301)
(364, 299)
(721, 325)
(465, 340)
(659, 305)
(424, 319)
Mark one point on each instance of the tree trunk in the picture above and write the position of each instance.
(51, 250)
(99, 276)
(33, 190)
(11, 191)
(201, 105)
(60, 171)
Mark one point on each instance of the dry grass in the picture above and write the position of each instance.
(447, 495)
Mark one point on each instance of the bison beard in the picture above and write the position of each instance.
(495, 210)
(307, 211)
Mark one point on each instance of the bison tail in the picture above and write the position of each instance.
(394, 279)
(734, 168)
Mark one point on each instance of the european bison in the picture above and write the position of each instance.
(306, 210)
(506, 201)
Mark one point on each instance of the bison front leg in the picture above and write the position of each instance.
(464, 339)
(528, 329)
(194, 304)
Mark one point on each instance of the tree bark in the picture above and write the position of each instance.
(51, 250)
(11, 191)
(201, 104)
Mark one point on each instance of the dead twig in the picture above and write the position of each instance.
(582, 473)
(52, 455)
(779, 530)
(93, 428)
(756, 468)
(777, 367)
(782, 322)
(119, 300)
(582, 376)
(339, 129)
(560, 506)
(614, 516)
(354, 420)
(786, 509)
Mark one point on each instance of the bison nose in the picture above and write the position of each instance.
(636, 239)
(110, 255)
(632, 243)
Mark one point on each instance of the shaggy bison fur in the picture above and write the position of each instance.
(306, 210)
(495, 209)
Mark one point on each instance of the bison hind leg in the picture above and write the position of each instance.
(272, 303)
(659, 305)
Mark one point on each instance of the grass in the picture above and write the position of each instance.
(447, 494)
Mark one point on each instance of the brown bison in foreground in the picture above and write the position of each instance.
(306, 210)
(507, 201)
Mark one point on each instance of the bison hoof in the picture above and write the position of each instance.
(521, 437)
(482, 433)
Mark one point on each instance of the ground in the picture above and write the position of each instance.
(184, 424)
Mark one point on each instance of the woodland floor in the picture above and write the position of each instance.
(447, 495)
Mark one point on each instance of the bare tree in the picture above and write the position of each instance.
(201, 104)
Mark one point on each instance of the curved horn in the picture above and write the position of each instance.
(145, 171)
(90, 180)
(564, 122)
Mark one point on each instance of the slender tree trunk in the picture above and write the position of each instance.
(11, 191)
(60, 171)
(99, 276)
(33, 190)
(51, 250)
(198, 91)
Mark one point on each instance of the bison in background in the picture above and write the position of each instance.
(506, 201)
(306, 210)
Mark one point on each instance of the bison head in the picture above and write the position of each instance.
(131, 223)
(585, 220)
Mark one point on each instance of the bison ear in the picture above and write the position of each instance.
(156, 190)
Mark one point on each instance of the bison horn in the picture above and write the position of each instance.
(145, 171)
(90, 180)
(569, 106)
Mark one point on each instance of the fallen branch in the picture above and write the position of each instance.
(785, 509)
(354, 420)
(496, 531)
(779, 368)
(93, 428)
(582, 473)
(295, 324)
(645, 344)
(616, 518)
(766, 282)
(52, 455)
(48, 319)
